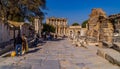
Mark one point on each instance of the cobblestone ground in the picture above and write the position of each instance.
(58, 55)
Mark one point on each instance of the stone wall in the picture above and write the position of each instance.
(4, 32)
(8, 30)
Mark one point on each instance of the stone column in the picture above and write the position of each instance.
(56, 27)
(40, 26)
(64, 30)
(21, 30)
(58, 31)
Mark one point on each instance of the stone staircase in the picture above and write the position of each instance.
(110, 52)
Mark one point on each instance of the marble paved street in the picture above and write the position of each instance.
(58, 55)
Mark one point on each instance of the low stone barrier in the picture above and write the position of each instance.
(107, 44)
(110, 55)
(116, 46)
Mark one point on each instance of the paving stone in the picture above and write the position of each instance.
(50, 64)
(59, 55)
(2, 59)
(101, 53)
(33, 61)
(24, 66)
(36, 66)
(64, 64)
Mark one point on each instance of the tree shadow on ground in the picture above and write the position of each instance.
(56, 40)
(31, 51)
(31, 45)
(34, 50)
(7, 55)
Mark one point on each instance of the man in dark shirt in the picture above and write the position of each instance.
(18, 43)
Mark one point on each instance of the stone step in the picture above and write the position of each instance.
(116, 46)
(106, 44)
(109, 54)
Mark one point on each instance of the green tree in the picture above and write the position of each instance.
(75, 24)
(84, 24)
(18, 10)
(48, 28)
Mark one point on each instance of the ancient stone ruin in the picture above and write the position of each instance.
(115, 19)
(99, 26)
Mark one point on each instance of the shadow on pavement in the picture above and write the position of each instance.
(33, 51)
(7, 55)
(40, 43)
(55, 40)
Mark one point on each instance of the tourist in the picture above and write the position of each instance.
(18, 43)
(24, 44)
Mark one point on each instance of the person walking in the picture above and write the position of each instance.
(24, 44)
(18, 43)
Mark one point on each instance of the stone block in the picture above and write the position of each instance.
(110, 55)
(116, 46)
(107, 44)
(101, 53)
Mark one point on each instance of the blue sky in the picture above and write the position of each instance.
(79, 10)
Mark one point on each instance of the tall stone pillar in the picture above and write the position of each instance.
(38, 25)
(64, 30)
(58, 31)
(21, 31)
